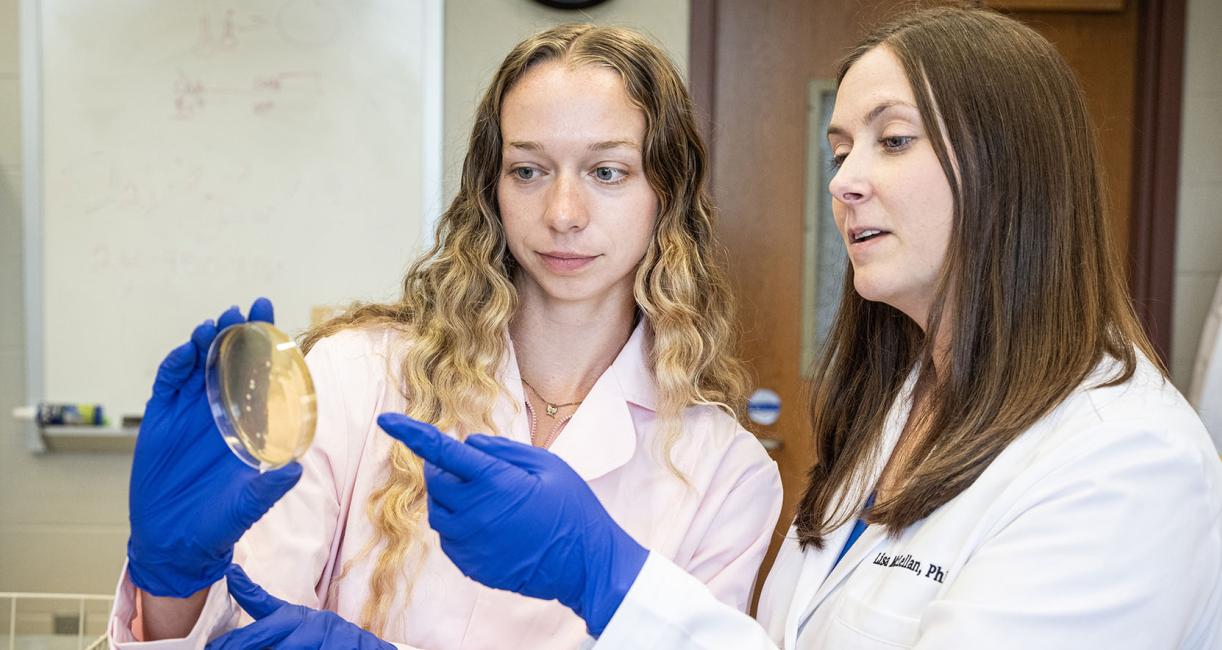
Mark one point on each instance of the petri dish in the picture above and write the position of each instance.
(261, 394)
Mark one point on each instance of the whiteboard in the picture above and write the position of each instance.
(186, 155)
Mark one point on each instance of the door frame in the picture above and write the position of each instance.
(1156, 167)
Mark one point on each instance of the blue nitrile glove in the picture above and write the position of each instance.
(191, 498)
(281, 625)
(516, 517)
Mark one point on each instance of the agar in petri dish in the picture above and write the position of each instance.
(261, 394)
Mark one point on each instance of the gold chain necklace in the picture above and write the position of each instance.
(552, 408)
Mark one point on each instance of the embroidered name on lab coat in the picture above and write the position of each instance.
(906, 561)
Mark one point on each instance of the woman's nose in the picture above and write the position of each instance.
(851, 184)
(566, 209)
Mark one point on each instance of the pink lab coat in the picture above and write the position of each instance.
(716, 527)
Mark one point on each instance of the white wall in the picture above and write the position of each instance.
(1198, 261)
(63, 517)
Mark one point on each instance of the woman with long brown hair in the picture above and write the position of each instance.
(573, 301)
(1001, 461)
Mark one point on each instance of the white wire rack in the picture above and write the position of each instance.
(46, 641)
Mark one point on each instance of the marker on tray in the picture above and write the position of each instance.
(71, 414)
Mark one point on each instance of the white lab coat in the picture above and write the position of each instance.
(1099, 527)
(1206, 392)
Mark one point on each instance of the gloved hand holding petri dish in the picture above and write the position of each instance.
(261, 394)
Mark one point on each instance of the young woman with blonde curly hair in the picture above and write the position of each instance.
(574, 301)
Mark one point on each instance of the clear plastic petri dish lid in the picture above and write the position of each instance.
(261, 394)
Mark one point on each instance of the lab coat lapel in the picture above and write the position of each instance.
(815, 567)
(509, 414)
(601, 437)
(821, 582)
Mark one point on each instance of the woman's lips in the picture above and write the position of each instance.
(566, 262)
(865, 244)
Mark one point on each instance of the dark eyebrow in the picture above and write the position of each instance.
(872, 115)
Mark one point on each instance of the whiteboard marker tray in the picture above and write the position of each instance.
(88, 438)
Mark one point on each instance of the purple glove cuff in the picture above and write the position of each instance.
(174, 580)
(607, 586)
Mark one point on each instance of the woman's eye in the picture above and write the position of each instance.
(524, 173)
(896, 142)
(836, 161)
(609, 174)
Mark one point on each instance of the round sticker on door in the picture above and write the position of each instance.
(764, 406)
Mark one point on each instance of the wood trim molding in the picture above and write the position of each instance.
(1160, 82)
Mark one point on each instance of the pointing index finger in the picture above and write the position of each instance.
(446, 453)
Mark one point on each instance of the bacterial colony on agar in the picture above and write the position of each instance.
(261, 394)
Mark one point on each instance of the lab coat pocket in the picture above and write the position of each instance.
(859, 625)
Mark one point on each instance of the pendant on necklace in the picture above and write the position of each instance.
(551, 411)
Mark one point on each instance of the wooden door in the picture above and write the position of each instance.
(1101, 47)
(751, 67)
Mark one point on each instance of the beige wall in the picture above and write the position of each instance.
(63, 517)
(1198, 261)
